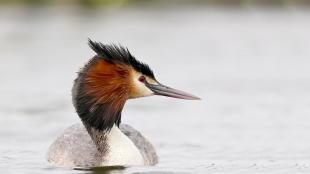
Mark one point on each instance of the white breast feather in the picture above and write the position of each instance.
(121, 150)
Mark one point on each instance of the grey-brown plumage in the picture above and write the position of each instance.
(75, 147)
(145, 147)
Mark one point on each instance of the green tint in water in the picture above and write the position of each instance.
(103, 170)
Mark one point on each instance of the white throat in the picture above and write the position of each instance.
(121, 150)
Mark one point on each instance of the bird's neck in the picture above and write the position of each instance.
(102, 123)
(98, 119)
(98, 99)
(99, 138)
(114, 147)
(97, 111)
(98, 115)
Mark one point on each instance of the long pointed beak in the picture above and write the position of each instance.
(163, 90)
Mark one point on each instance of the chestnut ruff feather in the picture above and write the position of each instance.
(102, 86)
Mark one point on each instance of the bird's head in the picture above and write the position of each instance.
(108, 80)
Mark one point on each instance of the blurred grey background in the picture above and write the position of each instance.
(247, 59)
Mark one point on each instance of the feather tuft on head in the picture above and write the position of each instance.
(118, 54)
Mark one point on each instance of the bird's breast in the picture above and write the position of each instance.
(121, 150)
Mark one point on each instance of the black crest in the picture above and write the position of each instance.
(119, 54)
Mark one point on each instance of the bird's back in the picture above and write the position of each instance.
(75, 148)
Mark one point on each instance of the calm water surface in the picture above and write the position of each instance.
(250, 67)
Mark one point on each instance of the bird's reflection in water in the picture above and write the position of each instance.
(103, 170)
(119, 170)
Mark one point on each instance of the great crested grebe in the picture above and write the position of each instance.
(99, 94)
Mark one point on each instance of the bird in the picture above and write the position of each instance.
(99, 93)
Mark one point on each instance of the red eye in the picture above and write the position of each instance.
(142, 79)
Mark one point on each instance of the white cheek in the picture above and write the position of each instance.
(142, 89)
